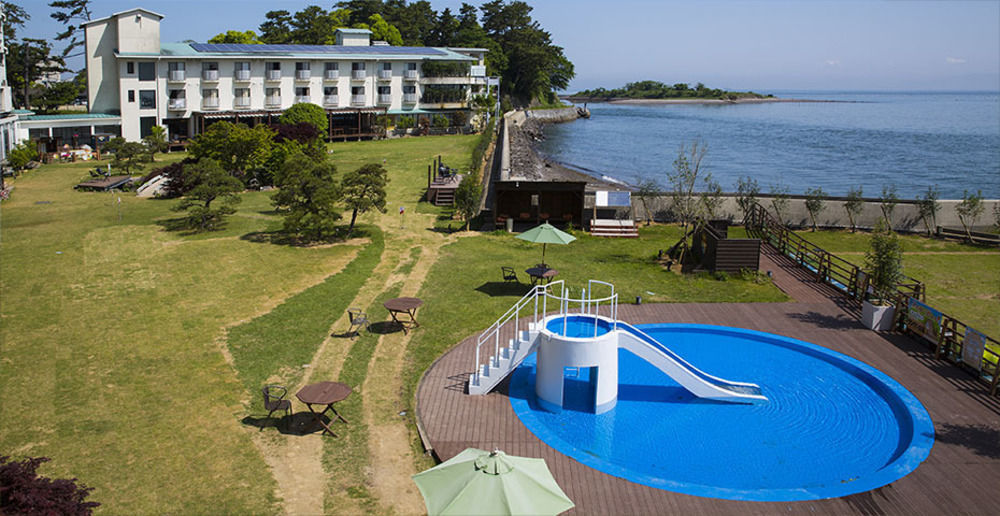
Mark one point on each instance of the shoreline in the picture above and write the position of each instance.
(628, 101)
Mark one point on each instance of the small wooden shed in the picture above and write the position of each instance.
(718, 252)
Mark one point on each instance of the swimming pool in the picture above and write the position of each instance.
(832, 426)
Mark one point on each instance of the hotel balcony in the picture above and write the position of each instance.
(273, 75)
(273, 102)
(241, 103)
(384, 75)
(176, 76)
(303, 75)
(331, 100)
(357, 100)
(241, 75)
(303, 99)
(359, 75)
(210, 75)
(385, 99)
(411, 75)
(210, 103)
(177, 104)
(409, 98)
(332, 75)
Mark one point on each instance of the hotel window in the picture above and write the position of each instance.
(357, 67)
(176, 94)
(357, 90)
(385, 90)
(210, 98)
(241, 93)
(387, 67)
(329, 91)
(409, 90)
(240, 66)
(331, 67)
(147, 99)
(412, 67)
(274, 65)
(301, 66)
(131, 95)
(130, 67)
(147, 71)
(209, 66)
(175, 66)
(273, 96)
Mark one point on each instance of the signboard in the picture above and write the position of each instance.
(493, 81)
(604, 199)
(972, 350)
(924, 320)
(477, 71)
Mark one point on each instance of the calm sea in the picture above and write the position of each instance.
(910, 140)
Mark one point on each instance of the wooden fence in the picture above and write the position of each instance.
(949, 337)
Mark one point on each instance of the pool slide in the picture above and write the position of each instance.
(699, 383)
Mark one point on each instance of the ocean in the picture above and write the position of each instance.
(910, 140)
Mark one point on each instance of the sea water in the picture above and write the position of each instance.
(871, 139)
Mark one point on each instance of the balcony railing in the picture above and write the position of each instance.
(332, 75)
(410, 98)
(241, 102)
(357, 100)
(303, 99)
(273, 101)
(331, 100)
(210, 75)
(384, 75)
(384, 98)
(210, 103)
(411, 75)
(241, 75)
(303, 75)
(273, 75)
(177, 104)
(176, 76)
(359, 75)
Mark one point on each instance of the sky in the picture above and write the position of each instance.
(754, 45)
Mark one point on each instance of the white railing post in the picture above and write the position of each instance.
(496, 348)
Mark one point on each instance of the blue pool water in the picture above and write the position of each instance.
(832, 426)
(578, 326)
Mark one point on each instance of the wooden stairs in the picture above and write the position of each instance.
(614, 228)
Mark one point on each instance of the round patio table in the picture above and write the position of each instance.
(324, 393)
(404, 305)
(541, 274)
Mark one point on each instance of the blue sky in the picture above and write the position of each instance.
(738, 45)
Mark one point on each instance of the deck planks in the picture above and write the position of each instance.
(959, 476)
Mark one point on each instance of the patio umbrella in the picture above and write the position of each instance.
(480, 482)
(546, 234)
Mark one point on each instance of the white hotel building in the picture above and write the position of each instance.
(185, 86)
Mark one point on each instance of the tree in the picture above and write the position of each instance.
(884, 260)
(129, 156)
(156, 141)
(887, 202)
(815, 203)
(308, 194)
(52, 97)
(68, 12)
(383, 31)
(306, 112)
(22, 491)
(969, 211)
(747, 191)
(364, 190)
(36, 54)
(21, 155)
(996, 217)
(277, 29)
(234, 36)
(445, 30)
(209, 183)
(779, 201)
(238, 148)
(467, 198)
(928, 207)
(646, 190)
(853, 205)
(711, 198)
(682, 180)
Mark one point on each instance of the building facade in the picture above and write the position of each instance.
(187, 86)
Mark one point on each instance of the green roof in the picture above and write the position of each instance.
(186, 50)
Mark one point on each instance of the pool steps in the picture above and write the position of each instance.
(498, 367)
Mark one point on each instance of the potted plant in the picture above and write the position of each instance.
(884, 264)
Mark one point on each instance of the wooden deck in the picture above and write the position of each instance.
(960, 476)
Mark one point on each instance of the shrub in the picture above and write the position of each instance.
(720, 276)
(444, 69)
(22, 491)
(440, 121)
(884, 260)
(405, 122)
(460, 118)
(306, 112)
(22, 154)
(301, 132)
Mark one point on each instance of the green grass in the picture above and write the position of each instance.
(273, 347)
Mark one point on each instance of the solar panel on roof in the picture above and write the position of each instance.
(244, 48)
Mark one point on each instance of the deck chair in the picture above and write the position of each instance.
(509, 275)
(274, 400)
(358, 319)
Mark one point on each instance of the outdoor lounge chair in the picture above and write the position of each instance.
(509, 275)
(358, 319)
(274, 399)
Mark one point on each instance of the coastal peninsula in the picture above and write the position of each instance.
(655, 92)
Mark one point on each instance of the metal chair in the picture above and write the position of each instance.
(358, 319)
(509, 275)
(274, 399)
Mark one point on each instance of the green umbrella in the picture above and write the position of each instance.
(479, 482)
(546, 234)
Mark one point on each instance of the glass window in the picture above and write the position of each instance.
(147, 99)
(274, 92)
(357, 66)
(411, 66)
(175, 66)
(332, 66)
(357, 90)
(387, 67)
(210, 94)
(410, 89)
(274, 65)
(209, 65)
(242, 92)
(385, 90)
(147, 71)
(302, 65)
(176, 94)
(131, 95)
(329, 90)
(242, 65)
(302, 92)
(130, 67)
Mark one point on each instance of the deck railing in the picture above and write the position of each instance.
(949, 336)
